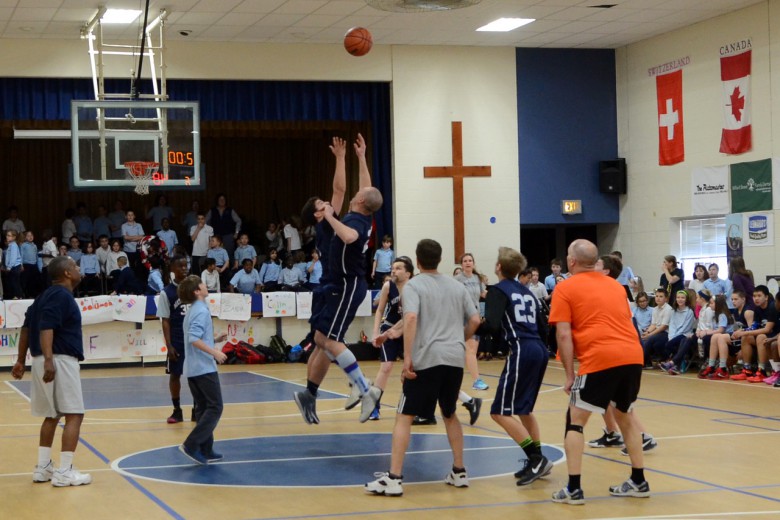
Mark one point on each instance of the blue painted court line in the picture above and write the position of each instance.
(139, 392)
(325, 460)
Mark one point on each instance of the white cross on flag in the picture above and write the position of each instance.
(671, 142)
(737, 136)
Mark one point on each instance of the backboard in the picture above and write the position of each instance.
(107, 134)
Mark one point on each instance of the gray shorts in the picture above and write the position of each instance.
(63, 395)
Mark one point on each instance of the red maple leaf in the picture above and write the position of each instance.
(737, 103)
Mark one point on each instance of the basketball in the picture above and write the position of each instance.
(358, 41)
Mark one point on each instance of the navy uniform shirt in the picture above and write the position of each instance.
(55, 310)
(349, 260)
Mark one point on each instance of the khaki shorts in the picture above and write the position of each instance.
(63, 395)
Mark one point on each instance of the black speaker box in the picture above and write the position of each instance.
(612, 176)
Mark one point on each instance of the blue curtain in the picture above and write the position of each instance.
(49, 99)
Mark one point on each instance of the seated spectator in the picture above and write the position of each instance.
(112, 263)
(642, 313)
(553, 279)
(314, 270)
(767, 325)
(168, 235)
(270, 271)
(537, 287)
(291, 278)
(699, 277)
(680, 329)
(13, 222)
(74, 251)
(657, 334)
(244, 251)
(299, 262)
(728, 344)
(62, 250)
(210, 276)
(125, 281)
(525, 277)
(155, 284)
(714, 284)
(90, 271)
(247, 280)
(700, 342)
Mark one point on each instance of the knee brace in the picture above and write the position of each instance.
(571, 427)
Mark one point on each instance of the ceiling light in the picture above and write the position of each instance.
(125, 16)
(506, 24)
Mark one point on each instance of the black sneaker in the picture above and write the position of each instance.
(176, 417)
(537, 467)
(423, 421)
(473, 406)
(307, 404)
(608, 440)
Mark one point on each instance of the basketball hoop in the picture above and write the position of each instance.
(142, 172)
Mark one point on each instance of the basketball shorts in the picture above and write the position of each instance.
(521, 379)
(175, 368)
(618, 386)
(392, 348)
(439, 384)
(341, 300)
(63, 395)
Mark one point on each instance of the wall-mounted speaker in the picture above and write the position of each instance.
(612, 176)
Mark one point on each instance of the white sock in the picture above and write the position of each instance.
(464, 397)
(347, 362)
(66, 460)
(44, 456)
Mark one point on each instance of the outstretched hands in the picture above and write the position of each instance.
(339, 147)
(360, 146)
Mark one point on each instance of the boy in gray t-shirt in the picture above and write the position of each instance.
(435, 310)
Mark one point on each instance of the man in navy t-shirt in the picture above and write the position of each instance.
(52, 334)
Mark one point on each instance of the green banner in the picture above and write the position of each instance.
(751, 186)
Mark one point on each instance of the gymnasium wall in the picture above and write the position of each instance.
(656, 194)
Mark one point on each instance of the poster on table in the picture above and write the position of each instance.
(214, 301)
(303, 305)
(143, 342)
(240, 331)
(235, 307)
(758, 229)
(279, 304)
(130, 307)
(96, 309)
(9, 341)
(101, 344)
(734, 242)
(710, 190)
(14, 312)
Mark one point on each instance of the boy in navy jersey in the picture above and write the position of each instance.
(511, 311)
(171, 311)
(342, 287)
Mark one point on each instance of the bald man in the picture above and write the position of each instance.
(593, 322)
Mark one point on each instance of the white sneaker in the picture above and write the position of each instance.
(43, 473)
(354, 396)
(369, 399)
(70, 477)
(457, 479)
(384, 485)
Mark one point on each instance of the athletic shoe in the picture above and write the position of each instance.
(374, 415)
(473, 406)
(176, 417)
(720, 374)
(369, 401)
(43, 473)
(194, 455)
(742, 376)
(537, 467)
(564, 496)
(423, 421)
(648, 443)
(307, 404)
(354, 397)
(70, 477)
(683, 367)
(385, 485)
(758, 377)
(706, 372)
(608, 440)
(772, 379)
(479, 384)
(629, 489)
(519, 473)
(674, 371)
(457, 479)
(666, 365)
(213, 456)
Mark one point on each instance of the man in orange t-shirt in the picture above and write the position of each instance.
(593, 321)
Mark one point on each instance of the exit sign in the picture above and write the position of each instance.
(571, 207)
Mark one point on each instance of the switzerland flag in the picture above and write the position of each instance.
(671, 143)
(735, 75)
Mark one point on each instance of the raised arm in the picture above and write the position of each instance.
(339, 149)
(344, 232)
(364, 179)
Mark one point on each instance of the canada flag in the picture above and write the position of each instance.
(671, 141)
(735, 75)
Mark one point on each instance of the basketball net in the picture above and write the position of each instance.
(141, 172)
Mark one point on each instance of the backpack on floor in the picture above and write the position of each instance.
(243, 353)
(279, 348)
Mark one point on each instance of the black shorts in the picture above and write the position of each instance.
(391, 348)
(436, 384)
(519, 384)
(339, 305)
(618, 386)
(175, 368)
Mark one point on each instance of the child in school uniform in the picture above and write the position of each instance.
(155, 283)
(125, 281)
(13, 266)
(168, 235)
(200, 367)
(31, 275)
(242, 252)
(247, 280)
(220, 256)
(291, 278)
(90, 269)
(383, 262)
(210, 276)
(269, 272)
(314, 271)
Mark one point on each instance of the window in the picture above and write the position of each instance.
(702, 241)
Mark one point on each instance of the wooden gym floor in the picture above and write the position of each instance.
(715, 456)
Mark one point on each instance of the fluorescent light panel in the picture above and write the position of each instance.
(506, 24)
(124, 16)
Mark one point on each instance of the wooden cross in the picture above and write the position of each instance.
(457, 171)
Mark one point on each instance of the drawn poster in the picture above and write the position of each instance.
(303, 305)
(14, 312)
(237, 307)
(278, 304)
(96, 309)
(129, 307)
